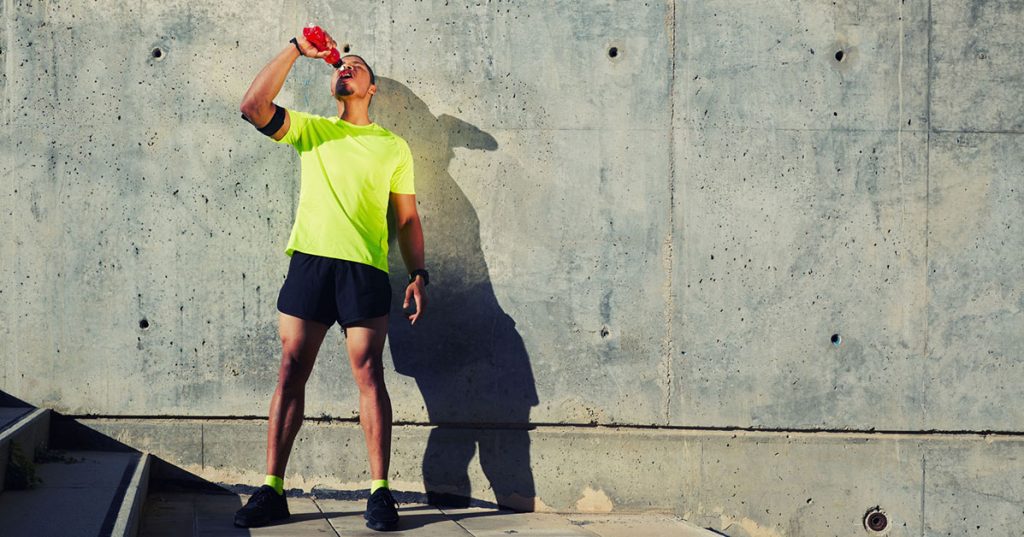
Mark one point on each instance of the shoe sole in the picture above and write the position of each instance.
(382, 526)
(260, 525)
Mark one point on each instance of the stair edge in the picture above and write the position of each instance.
(33, 429)
(130, 514)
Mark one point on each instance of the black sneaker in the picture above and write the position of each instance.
(264, 507)
(381, 511)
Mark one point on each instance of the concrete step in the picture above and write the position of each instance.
(23, 431)
(85, 493)
(10, 415)
(129, 516)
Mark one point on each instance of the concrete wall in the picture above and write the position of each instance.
(661, 244)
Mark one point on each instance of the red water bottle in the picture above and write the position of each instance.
(315, 35)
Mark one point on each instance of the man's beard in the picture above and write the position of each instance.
(340, 89)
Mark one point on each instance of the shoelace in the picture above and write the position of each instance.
(261, 496)
(389, 499)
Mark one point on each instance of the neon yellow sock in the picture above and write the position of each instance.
(276, 482)
(378, 484)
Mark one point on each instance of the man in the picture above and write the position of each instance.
(351, 169)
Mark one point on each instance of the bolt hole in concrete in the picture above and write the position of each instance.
(836, 339)
(840, 55)
(875, 520)
(613, 52)
(346, 49)
(158, 53)
(144, 324)
(604, 331)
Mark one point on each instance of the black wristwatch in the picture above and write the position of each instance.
(420, 272)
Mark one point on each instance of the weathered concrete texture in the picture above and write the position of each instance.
(744, 484)
(975, 66)
(809, 259)
(169, 213)
(807, 193)
(569, 286)
(74, 494)
(638, 525)
(187, 514)
(974, 487)
(801, 66)
(126, 183)
(346, 517)
(976, 263)
(800, 192)
(646, 215)
(181, 515)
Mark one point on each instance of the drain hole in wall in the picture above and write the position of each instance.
(157, 53)
(875, 520)
(144, 324)
(613, 52)
(836, 339)
(839, 56)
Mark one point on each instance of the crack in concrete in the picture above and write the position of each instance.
(983, 433)
(318, 508)
(668, 342)
(899, 85)
(456, 522)
(463, 528)
(9, 49)
(927, 205)
(924, 463)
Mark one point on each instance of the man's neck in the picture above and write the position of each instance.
(354, 114)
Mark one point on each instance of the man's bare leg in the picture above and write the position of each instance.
(365, 342)
(300, 341)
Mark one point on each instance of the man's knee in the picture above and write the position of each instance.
(296, 366)
(369, 375)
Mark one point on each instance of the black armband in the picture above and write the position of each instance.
(275, 122)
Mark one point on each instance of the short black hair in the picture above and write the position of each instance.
(373, 78)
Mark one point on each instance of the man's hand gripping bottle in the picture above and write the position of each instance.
(315, 35)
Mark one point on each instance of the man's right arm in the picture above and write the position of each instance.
(258, 103)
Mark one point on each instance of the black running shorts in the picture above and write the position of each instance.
(326, 290)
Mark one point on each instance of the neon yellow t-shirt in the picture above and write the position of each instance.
(348, 172)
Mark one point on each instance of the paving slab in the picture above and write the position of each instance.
(168, 515)
(178, 514)
(215, 518)
(74, 496)
(500, 523)
(196, 514)
(645, 525)
(346, 516)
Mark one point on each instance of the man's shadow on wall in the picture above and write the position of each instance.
(465, 354)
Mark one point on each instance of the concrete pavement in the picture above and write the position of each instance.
(179, 514)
